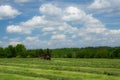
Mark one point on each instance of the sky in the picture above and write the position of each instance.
(59, 23)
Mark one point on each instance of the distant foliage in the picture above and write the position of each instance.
(88, 52)
(13, 51)
(21, 51)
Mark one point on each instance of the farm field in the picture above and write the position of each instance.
(59, 69)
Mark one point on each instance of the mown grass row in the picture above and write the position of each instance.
(60, 69)
(101, 63)
(55, 74)
(106, 71)
(7, 76)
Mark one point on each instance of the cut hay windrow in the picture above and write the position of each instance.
(66, 69)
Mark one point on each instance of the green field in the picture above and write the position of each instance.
(59, 69)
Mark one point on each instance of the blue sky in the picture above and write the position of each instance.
(60, 23)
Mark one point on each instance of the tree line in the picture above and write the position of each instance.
(87, 52)
(20, 51)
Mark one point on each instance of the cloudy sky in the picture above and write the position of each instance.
(60, 23)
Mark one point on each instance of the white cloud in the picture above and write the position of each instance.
(34, 22)
(48, 29)
(22, 1)
(43, 23)
(58, 36)
(73, 13)
(78, 16)
(99, 4)
(93, 25)
(33, 42)
(26, 27)
(14, 29)
(65, 29)
(49, 9)
(115, 31)
(7, 11)
(32, 39)
(14, 43)
(105, 6)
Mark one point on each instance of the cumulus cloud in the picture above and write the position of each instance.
(27, 26)
(32, 39)
(90, 24)
(99, 4)
(49, 9)
(58, 36)
(6, 11)
(13, 29)
(21, 1)
(35, 21)
(105, 5)
(43, 23)
(33, 42)
(115, 31)
(70, 26)
(48, 29)
(14, 43)
(73, 13)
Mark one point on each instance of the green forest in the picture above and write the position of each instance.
(20, 51)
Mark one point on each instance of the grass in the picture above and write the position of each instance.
(59, 69)
(6, 76)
